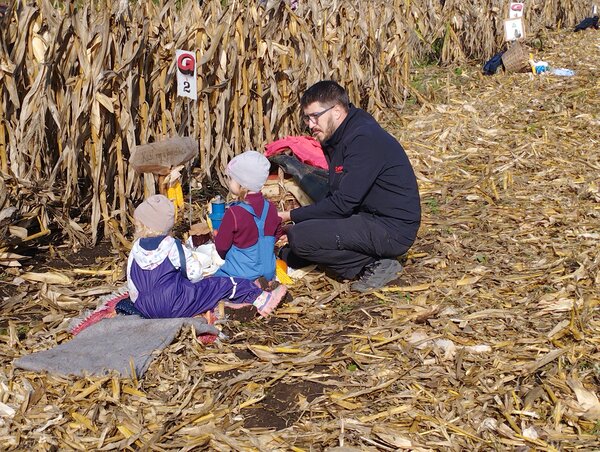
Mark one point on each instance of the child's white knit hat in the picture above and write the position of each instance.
(249, 169)
(157, 213)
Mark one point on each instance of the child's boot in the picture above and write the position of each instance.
(267, 301)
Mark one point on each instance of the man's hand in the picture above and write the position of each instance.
(284, 215)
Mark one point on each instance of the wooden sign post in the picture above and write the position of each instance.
(187, 87)
(514, 28)
(186, 74)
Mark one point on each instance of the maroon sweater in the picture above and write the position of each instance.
(238, 227)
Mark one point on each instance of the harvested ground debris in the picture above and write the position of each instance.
(490, 341)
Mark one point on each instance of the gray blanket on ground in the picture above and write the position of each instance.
(110, 345)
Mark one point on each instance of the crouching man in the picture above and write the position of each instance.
(372, 212)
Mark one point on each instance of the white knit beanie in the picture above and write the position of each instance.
(249, 169)
(157, 213)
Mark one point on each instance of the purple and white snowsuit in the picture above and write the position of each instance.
(159, 289)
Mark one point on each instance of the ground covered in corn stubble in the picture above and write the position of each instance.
(490, 340)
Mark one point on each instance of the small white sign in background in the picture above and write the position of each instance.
(186, 74)
(513, 29)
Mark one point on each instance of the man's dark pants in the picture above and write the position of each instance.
(345, 245)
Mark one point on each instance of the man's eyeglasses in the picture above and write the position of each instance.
(314, 117)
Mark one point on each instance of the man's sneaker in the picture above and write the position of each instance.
(377, 275)
(267, 301)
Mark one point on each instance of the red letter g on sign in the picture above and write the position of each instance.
(186, 63)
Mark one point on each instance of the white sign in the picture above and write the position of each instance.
(516, 10)
(513, 29)
(186, 74)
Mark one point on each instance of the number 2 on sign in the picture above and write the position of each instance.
(186, 86)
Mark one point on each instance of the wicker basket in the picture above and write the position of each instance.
(516, 58)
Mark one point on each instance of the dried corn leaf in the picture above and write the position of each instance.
(47, 277)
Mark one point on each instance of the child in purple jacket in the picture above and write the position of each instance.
(165, 280)
(251, 226)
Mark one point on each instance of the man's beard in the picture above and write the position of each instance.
(325, 132)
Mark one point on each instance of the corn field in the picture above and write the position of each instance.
(81, 84)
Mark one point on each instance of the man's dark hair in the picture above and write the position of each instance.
(325, 92)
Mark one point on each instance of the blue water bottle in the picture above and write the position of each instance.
(217, 210)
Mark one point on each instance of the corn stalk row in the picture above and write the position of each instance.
(81, 85)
